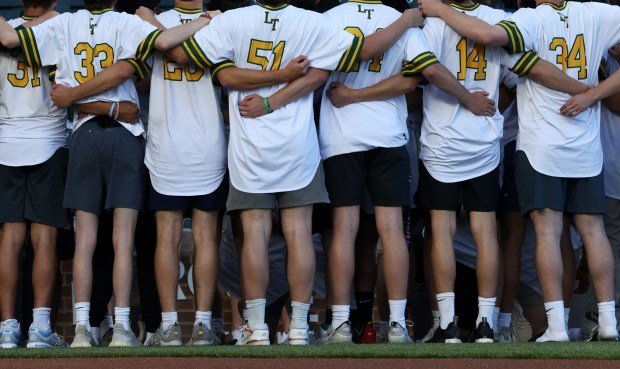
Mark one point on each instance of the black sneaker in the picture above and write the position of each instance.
(449, 335)
(484, 333)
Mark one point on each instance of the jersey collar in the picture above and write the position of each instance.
(100, 11)
(273, 7)
(556, 6)
(188, 11)
(464, 7)
(29, 17)
(365, 1)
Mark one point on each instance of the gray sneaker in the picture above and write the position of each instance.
(505, 335)
(399, 334)
(123, 338)
(203, 336)
(44, 338)
(83, 337)
(340, 335)
(10, 336)
(169, 337)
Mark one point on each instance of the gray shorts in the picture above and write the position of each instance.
(106, 168)
(313, 193)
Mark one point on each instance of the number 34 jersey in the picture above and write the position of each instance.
(82, 44)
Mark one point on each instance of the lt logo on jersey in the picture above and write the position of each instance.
(367, 11)
(563, 18)
(273, 22)
(92, 26)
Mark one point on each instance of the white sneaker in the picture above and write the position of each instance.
(44, 338)
(258, 336)
(298, 336)
(340, 335)
(83, 337)
(399, 334)
(123, 337)
(10, 336)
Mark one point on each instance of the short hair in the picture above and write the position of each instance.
(99, 4)
(38, 3)
(130, 6)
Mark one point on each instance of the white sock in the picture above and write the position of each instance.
(82, 314)
(607, 320)
(168, 319)
(256, 312)
(556, 330)
(41, 317)
(121, 315)
(299, 318)
(445, 301)
(11, 323)
(340, 314)
(566, 315)
(504, 320)
(203, 317)
(485, 310)
(495, 316)
(397, 311)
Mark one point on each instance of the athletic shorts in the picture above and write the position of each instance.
(34, 192)
(215, 201)
(570, 195)
(106, 168)
(508, 200)
(384, 172)
(478, 194)
(313, 193)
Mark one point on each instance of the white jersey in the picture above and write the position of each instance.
(84, 43)
(31, 127)
(186, 146)
(610, 137)
(456, 144)
(366, 125)
(276, 152)
(574, 37)
(511, 118)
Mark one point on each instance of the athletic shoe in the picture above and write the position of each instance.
(44, 338)
(505, 335)
(324, 329)
(298, 336)
(429, 334)
(258, 336)
(123, 337)
(107, 338)
(369, 335)
(83, 337)
(203, 336)
(484, 333)
(449, 335)
(168, 337)
(340, 335)
(10, 336)
(398, 334)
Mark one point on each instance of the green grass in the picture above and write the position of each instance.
(579, 350)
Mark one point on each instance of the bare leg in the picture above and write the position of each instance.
(206, 229)
(297, 229)
(341, 254)
(169, 231)
(568, 263)
(548, 228)
(484, 229)
(395, 253)
(254, 255)
(45, 265)
(85, 242)
(443, 224)
(122, 237)
(12, 238)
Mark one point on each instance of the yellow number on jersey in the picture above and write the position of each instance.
(22, 81)
(576, 58)
(263, 61)
(375, 64)
(89, 53)
(173, 73)
(474, 60)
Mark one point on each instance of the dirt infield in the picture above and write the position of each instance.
(237, 363)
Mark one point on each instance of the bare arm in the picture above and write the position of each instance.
(609, 88)
(378, 43)
(340, 95)
(248, 79)
(125, 111)
(465, 25)
(8, 35)
(552, 77)
(176, 35)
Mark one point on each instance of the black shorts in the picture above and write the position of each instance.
(215, 201)
(508, 200)
(478, 194)
(384, 172)
(570, 195)
(34, 193)
(106, 168)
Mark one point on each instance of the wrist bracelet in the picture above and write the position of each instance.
(118, 111)
(268, 109)
(112, 110)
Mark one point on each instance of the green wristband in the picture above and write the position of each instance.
(268, 109)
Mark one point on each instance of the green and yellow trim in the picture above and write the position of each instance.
(365, 1)
(515, 38)
(269, 7)
(465, 7)
(29, 17)
(525, 64)
(215, 69)
(196, 54)
(189, 11)
(146, 46)
(418, 64)
(602, 72)
(29, 46)
(562, 6)
(52, 73)
(351, 56)
(100, 11)
(142, 70)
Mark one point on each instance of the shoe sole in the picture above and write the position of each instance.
(202, 343)
(254, 343)
(80, 345)
(36, 345)
(453, 340)
(484, 340)
(8, 345)
(298, 342)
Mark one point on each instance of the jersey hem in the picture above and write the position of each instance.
(277, 190)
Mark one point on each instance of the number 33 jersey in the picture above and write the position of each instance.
(573, 36)
(84, 43)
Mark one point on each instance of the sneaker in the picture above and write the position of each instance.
(254, 337)
(44, 338)
(298, 336)
(484, 333)
(203, 336)
(340, 335)
(169, 337)
(429, 334)
(369, 335)
(107, 338)
(324, 329)
(123, 337)
(398, 334)
(83, 337)
(449, 335)
(505, 335)
(10, 336)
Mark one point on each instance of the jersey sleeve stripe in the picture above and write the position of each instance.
(525, 64)
(602, 73)
(515, 38)
(221, 66)
(52, 73)
(351, 55)
(27, 46)
(419, 63)
(146, 46)
(196, 54)
(142, 69)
